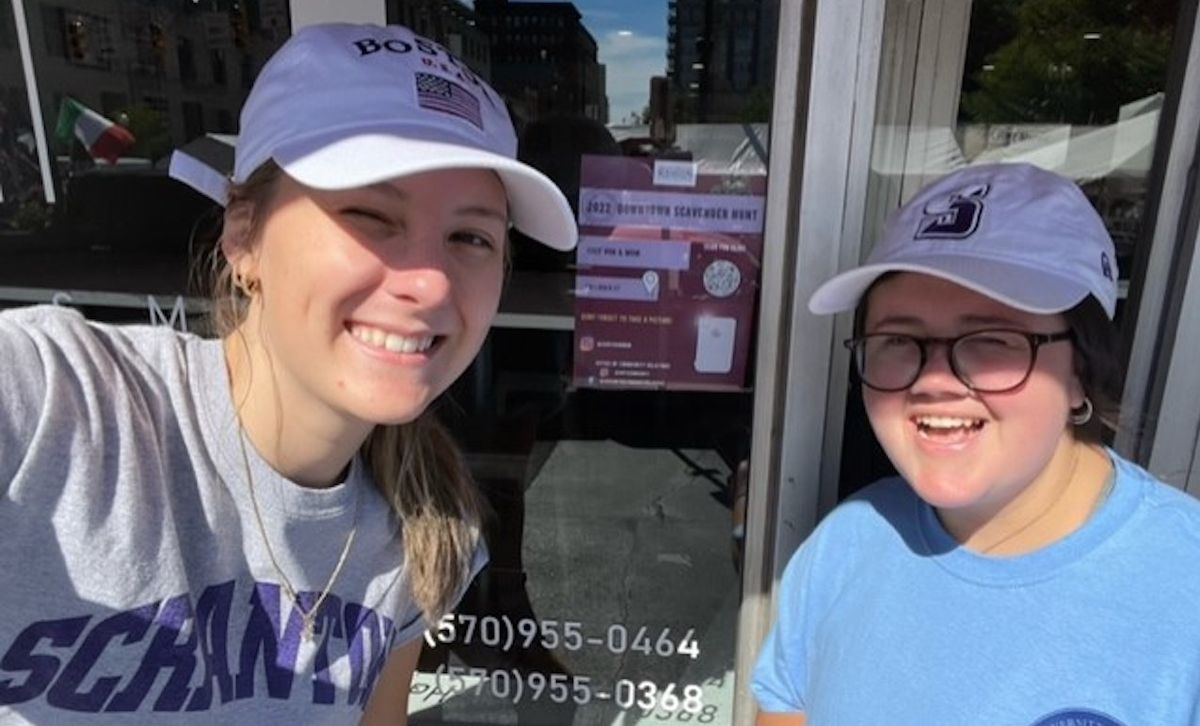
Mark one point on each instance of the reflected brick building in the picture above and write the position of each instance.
(720, 58)
(449, 22)
(188, 64)
(543, 59)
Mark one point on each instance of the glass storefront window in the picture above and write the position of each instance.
(122, 235)
(608, 416)
(22, 202)
(612, 404)
(1073, 86)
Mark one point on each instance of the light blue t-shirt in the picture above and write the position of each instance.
(884, 618)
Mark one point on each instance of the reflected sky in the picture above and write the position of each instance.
(631, 36)
(632, 40)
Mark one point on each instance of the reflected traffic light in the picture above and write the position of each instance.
(77, 40)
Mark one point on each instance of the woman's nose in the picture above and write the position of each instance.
(937, 373)
(420, 272)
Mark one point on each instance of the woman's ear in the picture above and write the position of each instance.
(1076, 391)
(237, 243)
(1078, 394)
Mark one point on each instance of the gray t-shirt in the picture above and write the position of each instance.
(136, 585)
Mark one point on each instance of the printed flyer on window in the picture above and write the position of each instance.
(668, 270)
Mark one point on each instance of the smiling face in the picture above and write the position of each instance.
(372, 301)
(959, 449)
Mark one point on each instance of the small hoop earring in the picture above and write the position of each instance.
(247, 286)
(1083, 414)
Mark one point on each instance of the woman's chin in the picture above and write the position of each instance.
(942, 492)
(380, 408)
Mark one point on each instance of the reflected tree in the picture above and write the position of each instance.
(1064, 61)
(149, 126)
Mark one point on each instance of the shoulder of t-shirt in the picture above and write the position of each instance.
(871, 521)
(1161, 500)
(66, 330)
(886, 505)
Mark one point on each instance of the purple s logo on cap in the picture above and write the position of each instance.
(957, 218)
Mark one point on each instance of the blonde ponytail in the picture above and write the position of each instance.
(418, 468)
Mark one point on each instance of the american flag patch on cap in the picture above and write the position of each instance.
(440, 94)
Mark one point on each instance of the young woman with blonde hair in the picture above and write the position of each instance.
(259, 527)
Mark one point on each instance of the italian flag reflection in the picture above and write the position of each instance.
(103, 138)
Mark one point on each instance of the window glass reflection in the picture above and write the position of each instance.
(122, 84)
(604, 435)
(613, 589)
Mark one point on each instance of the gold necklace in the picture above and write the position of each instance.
(1057, 497)
(309, 617)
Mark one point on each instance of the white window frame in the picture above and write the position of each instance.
(1160, 422)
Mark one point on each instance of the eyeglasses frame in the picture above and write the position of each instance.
(1036, 341)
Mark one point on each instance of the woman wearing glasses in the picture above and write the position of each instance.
(1017, 572)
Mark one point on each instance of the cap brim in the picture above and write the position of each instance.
(1031, 289)
(204, 165)
(538, 207)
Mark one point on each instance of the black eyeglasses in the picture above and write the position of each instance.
(987, 361)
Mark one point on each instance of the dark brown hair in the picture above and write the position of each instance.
(1097, 366)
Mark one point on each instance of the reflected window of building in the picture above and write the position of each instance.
(8, 40)
(187, 60)
(217, 61)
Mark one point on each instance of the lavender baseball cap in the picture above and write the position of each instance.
(340, 106)
(1020, 235)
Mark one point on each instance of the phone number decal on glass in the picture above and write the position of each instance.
(684, 703)
(505, 633)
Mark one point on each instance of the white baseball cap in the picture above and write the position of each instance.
(341, 106)
(1020, 235)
